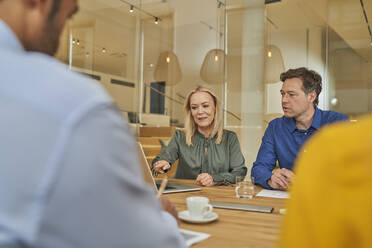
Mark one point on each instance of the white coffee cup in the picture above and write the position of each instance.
(198, 207)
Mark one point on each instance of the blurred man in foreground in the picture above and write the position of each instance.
(331, 198)
(69, 174)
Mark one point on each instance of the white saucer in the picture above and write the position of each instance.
(185, 216)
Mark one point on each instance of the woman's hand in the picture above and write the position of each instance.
(205, 179)
(161, 166)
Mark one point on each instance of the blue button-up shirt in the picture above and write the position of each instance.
(282, 141)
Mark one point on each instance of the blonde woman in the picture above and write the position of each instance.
(206, 152)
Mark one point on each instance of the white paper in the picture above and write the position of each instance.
(273, 193)
(192, 237)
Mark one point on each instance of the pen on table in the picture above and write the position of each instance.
(162, 186)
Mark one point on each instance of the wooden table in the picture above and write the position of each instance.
(234, 228)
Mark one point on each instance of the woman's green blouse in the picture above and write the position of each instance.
(222, 161)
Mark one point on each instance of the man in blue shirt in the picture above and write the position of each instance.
(285, 136)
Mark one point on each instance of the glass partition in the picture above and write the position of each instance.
(350, 56)
(149, 54)
(101, 42)
(245, 70)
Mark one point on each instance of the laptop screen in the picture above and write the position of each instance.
(146, 171)
(172, 187)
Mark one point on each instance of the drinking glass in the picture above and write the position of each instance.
(243, 188)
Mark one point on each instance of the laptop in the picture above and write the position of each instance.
(172, 187)
(235, 206)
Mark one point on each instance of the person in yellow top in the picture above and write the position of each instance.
(331, 198)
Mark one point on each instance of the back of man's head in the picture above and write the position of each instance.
(37, 23)
(311, 80)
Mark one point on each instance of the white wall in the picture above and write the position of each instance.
(192, 41)
(299, 48)
(351, 80)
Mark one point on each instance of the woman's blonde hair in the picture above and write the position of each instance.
(190, 126)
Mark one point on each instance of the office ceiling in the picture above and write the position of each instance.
(348, 21)
(345, 17)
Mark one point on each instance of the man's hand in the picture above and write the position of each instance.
(205, 179)
(289, 175)
(161, 166)
(281, 179)
(169, 207)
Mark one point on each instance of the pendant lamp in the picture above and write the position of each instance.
(274, 64)
(168, 68)
(212, 70)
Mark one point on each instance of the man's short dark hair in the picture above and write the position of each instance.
(311, 80)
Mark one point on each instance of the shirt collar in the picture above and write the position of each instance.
(317, 119)
(8, 39)
(291, 123)
(202, 135)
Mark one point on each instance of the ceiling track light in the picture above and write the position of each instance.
(132, 7)
(220, 4)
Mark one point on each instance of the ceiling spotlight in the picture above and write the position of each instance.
(156, 20)
(77, 42)
(73, 41)
(104, 50)
(131, 9)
